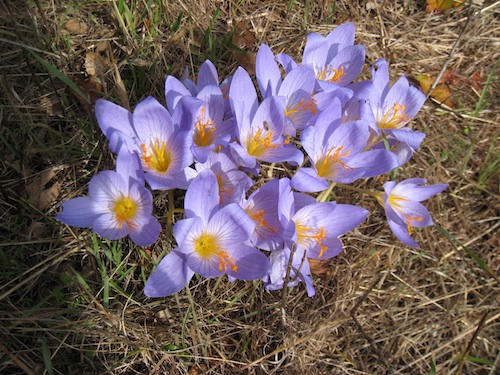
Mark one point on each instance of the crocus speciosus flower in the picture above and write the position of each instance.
(403, 208)
(210, 242)
(118, 204)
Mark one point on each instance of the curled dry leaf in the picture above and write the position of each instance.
(95, 64)
(244, 39)
(76, 27)
(441, 6)
(39, 195)
(441, 93)
(319, 267)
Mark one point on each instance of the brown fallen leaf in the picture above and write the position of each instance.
(39, 196)
(441, 6)
(76, 27)
(198, 370)
(441, 93)
(95, 64)
(319, 267)
(244, 40)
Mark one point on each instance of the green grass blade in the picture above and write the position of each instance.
(64, 78)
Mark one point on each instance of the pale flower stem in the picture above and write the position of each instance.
(284, 291)
(325, 193)
(377, 195)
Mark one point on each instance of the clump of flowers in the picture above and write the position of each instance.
(211, 138)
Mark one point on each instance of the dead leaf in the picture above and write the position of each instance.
(441, 6)
(38, 195)
(76, 27)
(198, 370)
(477, 81)
(244, 40)
(91, 87)
(95, 64)
(319, 267)
(441, 93)
(51, 105)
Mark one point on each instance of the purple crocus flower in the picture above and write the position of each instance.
(259, 128)
(233, 183)
(211, 242)
(393, 107)
(403, 208)
(262, 207)
(118, 204)
(335, 59)
(312, 229)
(337, 153)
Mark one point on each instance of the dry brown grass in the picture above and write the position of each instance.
(382, 307)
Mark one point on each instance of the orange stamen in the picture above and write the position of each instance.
(325, 164)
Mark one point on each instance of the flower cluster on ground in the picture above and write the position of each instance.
(211, 138)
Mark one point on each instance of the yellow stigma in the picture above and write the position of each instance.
(204, 130)
(394, 117)
(331, 74)
(307, 235)
(125, 210)
(156, 156)
(260, 143)
(207, 247)
(325, 166)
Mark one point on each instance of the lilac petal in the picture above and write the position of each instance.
(286, 206)
(267, 71)
(414, 100)
(352, 60)
(171, 275)
(80, 212)
(108, 226)
(299, 82)
(380, 78)
(270, 115)
(243, 90)
(287, 153)
(147, 234)
(286, 62)
(342, 36)
(375, 162)
(179, 180)
(231, 225)
(333, 248)
(182, 228)
(106, 186)
(251, 263)
(128, 166)
(410, 190)
(344, 218)
(408, 136)
(399, 228)
(207, 75)
(315, 50)
(307, 180)
(116, 124)
(152, 120)
(241, 156)
(202, 196)
(174, 91)
(415, 213)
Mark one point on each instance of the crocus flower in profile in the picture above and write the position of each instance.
(118, 204)
(312, 229)
(210, 242)
(403, 208)
(262, 207)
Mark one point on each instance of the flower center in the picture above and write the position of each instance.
(207, 246)
(311, 236)
(125, 210)
(259, 218)
(394, 117)
(396, 202)
(303, 106)
(325, 166)
(204, 130)
(156, 156)
(331, 74)
(260, 143)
